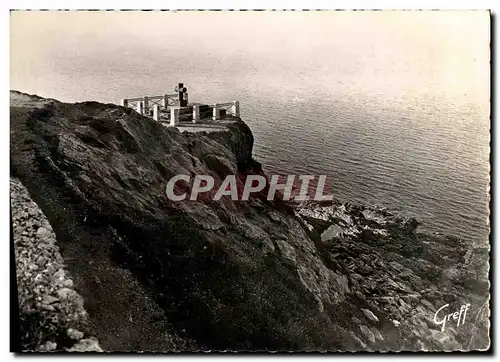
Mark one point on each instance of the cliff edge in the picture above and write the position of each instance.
(157, 275)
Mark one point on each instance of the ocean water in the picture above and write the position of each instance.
(392, 119)
(419, 153)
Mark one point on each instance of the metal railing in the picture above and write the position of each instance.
(144, 105)
(228, 107)
(166, 108)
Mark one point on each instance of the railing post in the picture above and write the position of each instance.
(196, 113)
(124, 103)
(165, 101)
(216, 114)
(146, 106)
(156, 112)
(174, 116)
(236, 109)
(140, 110)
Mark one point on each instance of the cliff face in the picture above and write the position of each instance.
(160, 275)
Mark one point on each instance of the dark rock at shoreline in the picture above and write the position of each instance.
(404, 277)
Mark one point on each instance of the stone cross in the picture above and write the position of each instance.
(181, 90)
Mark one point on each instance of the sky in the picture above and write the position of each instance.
(405, 45)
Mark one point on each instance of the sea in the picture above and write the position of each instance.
(391, 117)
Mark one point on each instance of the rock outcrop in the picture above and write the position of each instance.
(399, 278)
(158, 275)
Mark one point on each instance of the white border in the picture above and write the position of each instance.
(255, 4)
(184, 4)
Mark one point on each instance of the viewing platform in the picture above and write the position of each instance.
(174, 110)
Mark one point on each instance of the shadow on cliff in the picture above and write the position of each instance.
(211, 275)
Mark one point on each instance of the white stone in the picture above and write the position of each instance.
(236, 109)
(216, 114)
(174, 116)
(196, 113)
(65, 293)
(332, 232)
(139, 107)
(49, 346)
(86, 345)
(74, 334)
(68, 283)
(43, 233)
(369, 314)
(156, 112)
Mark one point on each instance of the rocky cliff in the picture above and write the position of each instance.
(157, 275)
